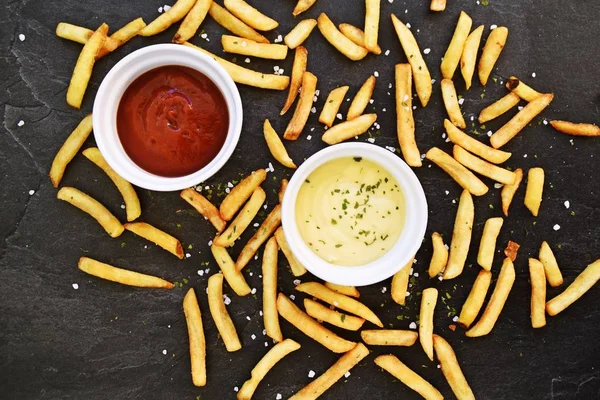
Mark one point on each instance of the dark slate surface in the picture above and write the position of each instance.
(106, 341)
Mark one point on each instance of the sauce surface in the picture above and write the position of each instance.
(172, 121)
(350, 211)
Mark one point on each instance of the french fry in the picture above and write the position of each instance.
(389, 337)
(269, 278)
(297, 268)
(437, 5)
(233, 24)
(242, 220)
(340, 301)
(298, 69)
(460, 174)
(491, 52)
(192, 21)
(357, 36)
(302, 111)
(251, 15)
(468, 58)
(302, 6)
(361, 100)
(492, 311)
(168, 18)
(311, 328)
(348, 129)
(317, 387)
(451, 369)
(581, 129)
(332, 105)
(511, 250)
(300, 33)
(475, 300)
(276, 146)
(344, 45)
(132, 202)
(439, 258)
(534, 190)
(247, 47)
(156, 236)
(273, 356)
(498, 108)
(451, 103)
(475, 146)
(193, 319)
(204, 207)
(399, 285)
(282, 186)
(372, 24)
(220, 315)
(240, 193)
(520, 120)
(234, 278)
(69, 149)
(538, 293)
(419, 69)
(405, 122)
(335, 318)
(345, 290)
(508, 191)
(122, 36)
(457, 43)
(483, 167)
(72, 32)
(584, 282)
(398, 370)
(461, 236)
(84, 66)
(120, 275)
(266, 229)
(87, 204)
(516, 86)
(428, 301)
(247, 76)
(487, 246)
(553, 274)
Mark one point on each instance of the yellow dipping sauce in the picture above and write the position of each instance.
(350, 211)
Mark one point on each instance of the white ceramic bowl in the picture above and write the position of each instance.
(122, 75)
(391, 262)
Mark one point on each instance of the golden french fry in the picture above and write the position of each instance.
(266, 229)
(451, 369)
(344, 45)
(461, 236)
(491, 52)
(132, 202)
(193, 319)
(428, 301)
(475, 146)
(405, 122)
(190, 24)
(439, 258)
(492, 311)
(516, 86)
(273, 356)
(460, 174)
(457, 43)
(348, 129)
(511, 250)
(487, 246)
(204, 207)
(302, 6)
(297, 268)
(120, 275)
(122, 36)
(534, 190)
(317, 387)
(451, 103)
(508, 191)
(468, 58)
(242, 220)
(398, 370)
(302, 111)
(240, 193)
(574, 129)
(311, 328)
(250, 15)
(389, 337)
(69, 149)
(72, 32)
(372, 24)
(483, 167)
(345, 290)
(499, 107)
(361, 100)
(282, 186)
(234, 278)
(357, 36)
(399, 285)
(233, 24)
(84, 66)
(335, 318)
(247, 47)
(269, 278)
(332, 105)
(168, 18)
(86, 203)
(276, 146)
(300, 33)
(475, 300)
(538, 293)
(437, 5)
(298, 70)
(340, 301)
(420, 71)
(553, 274)
(584, 282)
(220, 315)
(156, 236)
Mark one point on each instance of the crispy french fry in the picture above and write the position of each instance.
(483, 167)
(204, 207)
(451, 103)
(335, 318)
(461, 236)
(553, 274)
(193, 319)
(460, 174)
(298, 70)
(242, 220)
(428, 301)
(534, 190)
(302, 6)
(389, 337)
(492, 311)
(348, 129)
(516, 86)
(538, 293)
(398, 370)
(437, 5)
(282, 186)
(361, 100)
(372, 24)
(340, 301)
(132, 202)
(311, 328)
(276, 146)
(317, 387)
(72, 32)
(84, 66)
(405, 123)
(220, 315)
(233, 24)
(120, 275)
(475, 146)
(240, 193)
(297, 268)
(420, 71)
(475, 300)
(190, 24)
(498, 108)
(357, 36)
(266, 229)
(69, 149)
(468, 58)
(269, 278)
(122, 36)
(156, 236)
(168, 18)
(491, 52)
(487, 246)
(457, 43)
(300, 33)
(451, 369)
(399, 285)
(584, 282)
(273, 356)
(344, 45)
(345, 290)
(508, 191)
(234, 278)
(439, 258)
(574, 129)
(86, 203)
(332, 105)
(251, 15)
(247, 47)
(302, 111)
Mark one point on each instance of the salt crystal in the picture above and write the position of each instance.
(567, 204)
(164, 352)
(339, 116)
(412, 325)
(311, 374)
(347, 374)
(408, 25)
(376, 74)
(31, 192)
(556, 227)
(308, 137)
(247, 61)
(492, 27)
(533, 75)
(20, 123)
(427, 51)
(75, 286)
(387, 53)
(461, 101)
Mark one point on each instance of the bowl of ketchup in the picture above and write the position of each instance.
(167, 117)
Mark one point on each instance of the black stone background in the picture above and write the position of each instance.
(106, 341)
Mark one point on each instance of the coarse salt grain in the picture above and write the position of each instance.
(313, 110)
(75, 286)
(383, 289)
(260, 313)
(427, 51)
(545, 122)
(164, 352)
(256, 225)
(253, 291)
(556, 227)
(20, 123)
(292, 297)
(455, 318)
(492, 27)
(347, 374)
(412, 325)
(461, 101)
(311, 374)
(498, 185)
(209, 243)
(408, 25)
(235, 389)
(253, 336)
(387, 53)
(296, 282)
(21, 37)
(489, 133)
(187, 255)
(371, 140)
(203, 35)
(267, 345)
(308, 137)
(31, 192)
(248, 317)
(533, 75)
(376, 74)
(200, 272)
(339, 116)
(166, 7)
(407, 294)
(278, 397)
(247, 61)
(416, 274)
(567, 204)
(226, 300)
(371, 101)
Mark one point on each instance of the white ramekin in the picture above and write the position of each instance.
(399, 255)
(122, 75)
